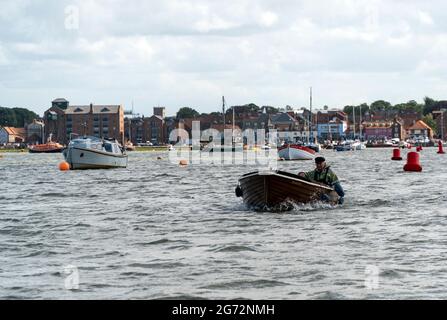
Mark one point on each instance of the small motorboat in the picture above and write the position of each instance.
(295, 152)
(344, 146)
(280, 191)
(95, 153)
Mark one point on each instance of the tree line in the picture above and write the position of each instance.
(16, 117)
(424, 109)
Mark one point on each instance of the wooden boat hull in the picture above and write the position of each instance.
(278, 190)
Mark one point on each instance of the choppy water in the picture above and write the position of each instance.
(156, 230)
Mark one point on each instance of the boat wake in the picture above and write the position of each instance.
(296, 207)
(314, 206)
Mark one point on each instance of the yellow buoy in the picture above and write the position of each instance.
(64, 166)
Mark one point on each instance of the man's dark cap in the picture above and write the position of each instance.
(319, 159)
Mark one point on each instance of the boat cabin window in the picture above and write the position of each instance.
(108, 147)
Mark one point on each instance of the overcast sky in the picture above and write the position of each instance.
(189, 53)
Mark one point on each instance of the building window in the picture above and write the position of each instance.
(154, 133)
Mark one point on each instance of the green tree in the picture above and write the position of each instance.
(270, 109)
(428, 119)
(16, 117)
(24, 116)
(187, 112)
(411, 105)
(429, 105)
(380, 105)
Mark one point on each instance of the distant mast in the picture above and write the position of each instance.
(353, 118)
(310, 117)
(232, 130)
(360, 122)
(223, 110)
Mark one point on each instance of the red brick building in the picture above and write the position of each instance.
(63, 121)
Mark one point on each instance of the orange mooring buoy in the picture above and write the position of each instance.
(440, 149)
(413, 162)
(64, 166)
(396, 155)
(183, 163)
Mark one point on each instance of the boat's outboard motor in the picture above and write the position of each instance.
(239, 192)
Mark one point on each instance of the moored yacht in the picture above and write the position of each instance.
(95, 153)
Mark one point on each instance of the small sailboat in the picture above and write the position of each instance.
(94, 153)
(305, 151)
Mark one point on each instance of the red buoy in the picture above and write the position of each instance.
(440, 149)
(409, 146)
(418, 148)
(413, 162)
(396, 154)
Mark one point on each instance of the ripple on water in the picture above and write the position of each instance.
(232, 248)
(157, 265)
(180, 229)
(244, 284)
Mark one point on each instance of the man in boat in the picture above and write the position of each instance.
(324, 174)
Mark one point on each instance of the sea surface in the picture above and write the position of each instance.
(156, 230)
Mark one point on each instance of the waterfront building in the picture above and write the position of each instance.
(54, 121)
(377, 130)
(151, 129)
(331, 124)
(35, 132)
(154, 129)
(420, 131)
(63, 120)
(384, 130)
(440, 116)
(10, 135)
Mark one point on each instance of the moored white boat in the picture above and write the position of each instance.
(95, 153)
(295, 152)
(358, 145)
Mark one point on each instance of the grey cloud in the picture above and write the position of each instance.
(191, 52)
